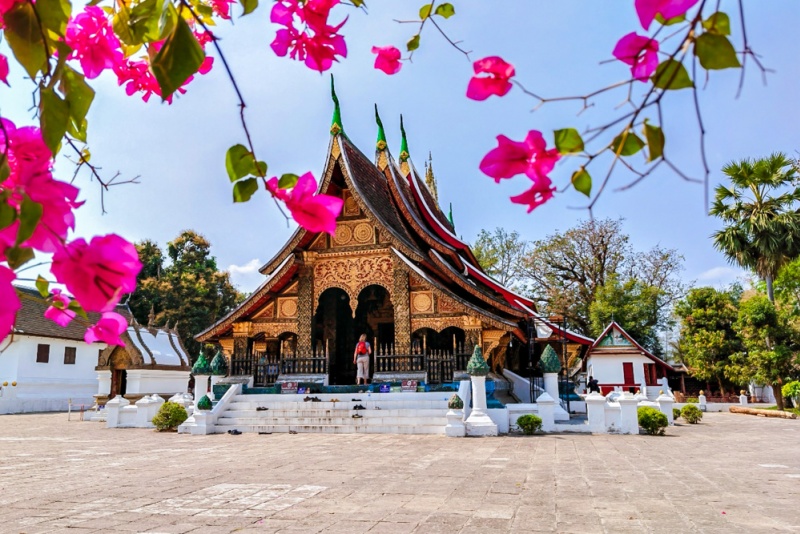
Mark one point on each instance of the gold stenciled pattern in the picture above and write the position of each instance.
(421, 302)
(352, 274)
(353, 234)
(287, 308)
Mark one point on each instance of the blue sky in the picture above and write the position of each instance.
(557, 49)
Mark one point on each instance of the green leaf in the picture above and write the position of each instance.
(357, 3)
(244, 189)
(669, 22)
(671, 74)
(413, 43)
(287, 181)
(121, 24)
(568, 141)
(179, 58)
(627, 144)
(240, 162)
(445, 10)
(75, 306)
(582, 181)
(79, 95)
(7, 214)
(249, 6)
(261, 169)
(5, 170)
(54, 14)
(425, 12)
(715, 52)
(718, 23)
(30, 213)
(54, 116)
(152, 20)
(43, 286)
(24, 36)
(655, 140)
(18, 256)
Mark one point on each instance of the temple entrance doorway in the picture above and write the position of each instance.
(335, 336)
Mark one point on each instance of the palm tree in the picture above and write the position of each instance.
(760, 211)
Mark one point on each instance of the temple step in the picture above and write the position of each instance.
(353, 428)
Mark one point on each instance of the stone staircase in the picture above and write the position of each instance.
(384, 413)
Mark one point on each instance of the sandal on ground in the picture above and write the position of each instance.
(234, 432)
(358, 407)
(261, 408)
(357, 416)
(293, 432)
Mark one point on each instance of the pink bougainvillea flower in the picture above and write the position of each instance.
(9, 301)
(93, 42)
(4, 69)
(283, 12)
(222, 8)
(59, 315)
(97, 273)
(541, 192)
(648, 9)
(314, 212)
(388, 59)
(315, 13)
(107, 329)
(529, 157)
(318, 43)
(640, 52)
(491, 78)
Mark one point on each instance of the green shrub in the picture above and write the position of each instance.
(653, 421)
(693, 400)
(169, 416)
(530, 424)
(792, 390)
(691, 414)
(676, 413)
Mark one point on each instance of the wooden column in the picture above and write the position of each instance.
(306, 306)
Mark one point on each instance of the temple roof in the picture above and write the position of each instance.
(615, 340)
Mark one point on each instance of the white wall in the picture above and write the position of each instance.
(607, 369)
(47, 386)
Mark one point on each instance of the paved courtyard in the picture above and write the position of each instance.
(733, 473)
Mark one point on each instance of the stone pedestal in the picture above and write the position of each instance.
(628, 416)
(455, 424)
(201, 423)
(743, 399)
(479, 423)
(596, 413)
(143, 416)
(200, 387)
(546, 406)
(112, 408)
(665, 403)
(551, 385)
(702, 401)
(465, 392)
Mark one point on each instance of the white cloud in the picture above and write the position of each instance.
(722, 275)
(246, 277)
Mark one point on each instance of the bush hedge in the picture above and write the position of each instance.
(530, 424)
(691, 414)
(653, 421)
(170, 416)
(676, 413)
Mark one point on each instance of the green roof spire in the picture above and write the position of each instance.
(477, 366)
(336, 122)
(381, 142)
(403, 142)
(450, 217)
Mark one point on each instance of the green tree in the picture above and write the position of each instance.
(759, 211)
(190, 292)
(634, 305)
(708, 338)
(769, 343)
(565, 270)
(501, 254)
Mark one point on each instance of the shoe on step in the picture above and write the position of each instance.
(357, 416)
(261, 408)
(293, 432)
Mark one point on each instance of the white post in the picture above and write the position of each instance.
(455, 424)
(742, 399)
(628, 416)
(143, 411)
(703, 404)
(465, 392)
(546, 405)
(596, 413)
(200, 387)
(665, 403)
(551, 385)
(112, 408)
(214, 380)
(478, 422)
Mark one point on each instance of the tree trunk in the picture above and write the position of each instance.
(765, 413)
(776, 391)
(721, 387)
(770, 291)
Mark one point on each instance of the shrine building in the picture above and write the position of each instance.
(396, 271)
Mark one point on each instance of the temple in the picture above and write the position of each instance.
(395, 270)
